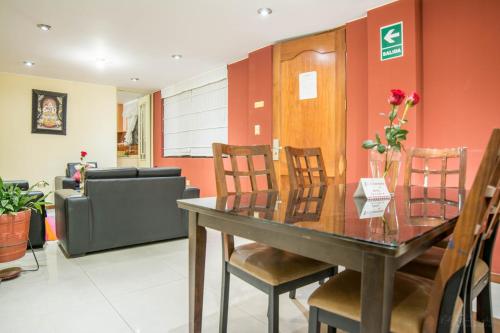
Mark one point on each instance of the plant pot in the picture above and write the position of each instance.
(14, 232)
(387, 166)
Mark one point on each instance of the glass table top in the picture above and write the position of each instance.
(332, 209)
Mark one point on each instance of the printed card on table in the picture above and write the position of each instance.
(372, 189)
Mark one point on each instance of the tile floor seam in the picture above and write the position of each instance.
(132, 330)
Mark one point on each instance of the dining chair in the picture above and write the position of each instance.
(306, 167)
(419, 304)
(273, 271)
(419, 160)
(479, 279)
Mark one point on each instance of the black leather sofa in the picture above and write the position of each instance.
(37, 221)
(67, 182)
(121, 207)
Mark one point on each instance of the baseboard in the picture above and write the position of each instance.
(495, 277)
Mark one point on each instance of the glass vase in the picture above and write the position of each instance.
(386, 165)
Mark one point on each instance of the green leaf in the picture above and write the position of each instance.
(381, 148)
(368, 144)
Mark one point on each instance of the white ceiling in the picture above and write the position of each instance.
(137, 38)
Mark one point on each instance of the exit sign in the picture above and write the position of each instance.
(391, 41)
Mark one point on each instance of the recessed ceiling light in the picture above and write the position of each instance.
(28, 63)
(177, 56)
(100, 62)
(264, 11)
(44, 27)
(134, 79)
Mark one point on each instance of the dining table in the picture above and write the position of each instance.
(373, 236)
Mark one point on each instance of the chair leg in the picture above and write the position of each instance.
(291, 294)
(273, 312)
(314, 324)
(467, 324)
(484, 312)
(224, 299)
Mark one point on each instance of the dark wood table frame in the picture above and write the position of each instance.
(376, 262)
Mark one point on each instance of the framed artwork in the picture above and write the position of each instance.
(48, 112)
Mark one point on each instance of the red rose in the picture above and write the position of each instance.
(413, 99)
(397, 97)
(83, 153)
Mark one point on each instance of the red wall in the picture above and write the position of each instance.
(249, 80)
(357, 99)
(452, 51)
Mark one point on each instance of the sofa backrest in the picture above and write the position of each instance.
(71, 167)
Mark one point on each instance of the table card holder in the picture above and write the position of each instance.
(371, 197)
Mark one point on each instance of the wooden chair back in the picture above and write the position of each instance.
(306, 167)
(428, 154)
(240, 157)
(468, 230)
(247, 155)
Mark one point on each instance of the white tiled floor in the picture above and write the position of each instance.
(141, 289)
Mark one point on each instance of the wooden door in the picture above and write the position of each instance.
(302, 118)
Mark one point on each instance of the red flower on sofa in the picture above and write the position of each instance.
(77, 176)
(83, 153)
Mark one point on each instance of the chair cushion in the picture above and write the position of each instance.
(341, 295)
(111, 173)
(159, 172)
(425, 265)
(428, 263)
(274, 266)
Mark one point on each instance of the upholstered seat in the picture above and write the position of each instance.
(341, 295)
(427, 265)
(274, 266)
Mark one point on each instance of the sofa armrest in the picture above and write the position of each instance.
(22, 184)
(73, 225)
(62, 182)
(191, 192)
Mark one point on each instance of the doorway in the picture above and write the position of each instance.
(309, 103)
(134, 129)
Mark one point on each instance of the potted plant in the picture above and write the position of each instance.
(15, 213)
(385, 157)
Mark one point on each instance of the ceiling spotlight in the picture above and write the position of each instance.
(134, 79)
(177, 56)
(44, 27)
(28, 63)
(100, 62)
(264, 11)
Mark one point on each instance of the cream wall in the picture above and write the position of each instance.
(91, 126)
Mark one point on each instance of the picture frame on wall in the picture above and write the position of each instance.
(48, 112)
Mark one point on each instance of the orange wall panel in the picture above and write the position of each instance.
(357, 99)
(399, 73)
(260, 89)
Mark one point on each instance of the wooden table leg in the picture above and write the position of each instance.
(197, 253)
(377, 284)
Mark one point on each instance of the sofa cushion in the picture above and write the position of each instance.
(111, 173)
(159, 172)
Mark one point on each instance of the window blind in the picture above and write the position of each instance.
(194, 119)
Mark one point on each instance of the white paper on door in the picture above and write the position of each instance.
(308, 85)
